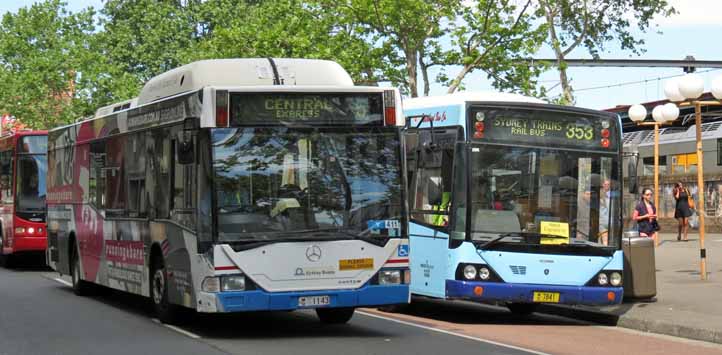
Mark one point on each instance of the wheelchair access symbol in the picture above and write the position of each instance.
(403, 250)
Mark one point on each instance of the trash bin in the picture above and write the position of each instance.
(640, 280)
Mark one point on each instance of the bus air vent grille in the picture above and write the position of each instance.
(518, 269)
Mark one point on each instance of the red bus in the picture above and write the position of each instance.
(23, 167)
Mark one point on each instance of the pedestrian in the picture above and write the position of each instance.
(682, 210)
(645, 214)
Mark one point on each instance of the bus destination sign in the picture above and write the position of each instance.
(339, 108)
(539, 127)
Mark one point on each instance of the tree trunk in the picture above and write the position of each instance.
(567, 96)
(411, 72)
(457, 81)
(424, 72)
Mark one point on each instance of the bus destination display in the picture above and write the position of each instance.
(536, 127)
(341, 108)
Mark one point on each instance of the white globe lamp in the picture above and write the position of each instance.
(670, 112)
(657, 114)
(691, 86)
(637, 113)
(717, 87)
(671, 90)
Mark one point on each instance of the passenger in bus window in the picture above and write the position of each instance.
(682, 209)
(604, 213)
(645, 213)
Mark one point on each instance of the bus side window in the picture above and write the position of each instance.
(6, 176)
(184, 188)
(431, 184)
(96, 180)
(135, 167)
(115, 205)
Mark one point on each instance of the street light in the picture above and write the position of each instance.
(687, 93)
(662, 114)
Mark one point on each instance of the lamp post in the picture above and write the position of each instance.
(686, 92)
(661, 115)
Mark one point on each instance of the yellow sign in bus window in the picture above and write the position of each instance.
(355, 264)
(559, 229)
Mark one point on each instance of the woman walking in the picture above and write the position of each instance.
(645, 214)
(682, 210)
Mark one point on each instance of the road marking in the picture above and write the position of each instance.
(453, 334)
(177, 329)
(66, 283)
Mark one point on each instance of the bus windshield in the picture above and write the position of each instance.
(31, 172)
(274, 180)
(568, 196)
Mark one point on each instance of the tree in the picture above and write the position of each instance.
(294, 29)
(44, 51)
(495, 36)
(593, 24)
(407, 32)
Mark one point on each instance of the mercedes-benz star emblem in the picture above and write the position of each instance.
(313, 253)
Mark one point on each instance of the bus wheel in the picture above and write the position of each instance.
(164, 310)
(522, 309)
(80, 287)
(334, 315)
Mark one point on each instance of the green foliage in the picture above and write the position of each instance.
(594, 24)
(497, 37)
(42, 51)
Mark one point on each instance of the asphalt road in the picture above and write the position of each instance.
(41, 315)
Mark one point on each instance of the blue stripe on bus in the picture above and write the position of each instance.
(499, 291)
(259, 300)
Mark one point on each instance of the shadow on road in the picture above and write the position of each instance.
(462, 312)
(251, 325)
(27, 262)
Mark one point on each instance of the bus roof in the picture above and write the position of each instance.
(467, 96)
(243, 72)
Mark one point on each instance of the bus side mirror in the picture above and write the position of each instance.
(632, 173)
(185, 152)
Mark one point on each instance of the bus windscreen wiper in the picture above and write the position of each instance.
(525, 235)
(335, 231)
(307, 235)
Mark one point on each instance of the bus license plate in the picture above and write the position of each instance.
(314, 301)
(546, 297)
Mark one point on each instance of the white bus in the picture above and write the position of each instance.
(236, 185)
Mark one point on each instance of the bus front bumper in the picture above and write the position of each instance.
(259, 300)
(524, 293)
(27, 244)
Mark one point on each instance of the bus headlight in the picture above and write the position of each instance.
(389, 277)
(470, 272)
(211, 284)
(484, 273)
(615, 279)
(233, 283)
(602, 279)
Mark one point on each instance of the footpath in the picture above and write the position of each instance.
(685, 306)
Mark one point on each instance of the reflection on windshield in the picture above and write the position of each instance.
(552, 192)
(30, 189)
(286, 180)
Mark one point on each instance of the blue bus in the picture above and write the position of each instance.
(513, 201)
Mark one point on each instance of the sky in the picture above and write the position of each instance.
(694, 31)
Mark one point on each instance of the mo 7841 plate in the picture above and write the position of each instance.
(546, 297)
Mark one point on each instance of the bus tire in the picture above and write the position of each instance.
(335, 315)
(80, 286)
(164, 310)
(522, 309)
